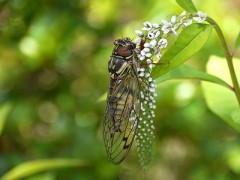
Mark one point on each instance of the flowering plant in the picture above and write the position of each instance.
(191, 34)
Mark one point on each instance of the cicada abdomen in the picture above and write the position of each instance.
(123, 103)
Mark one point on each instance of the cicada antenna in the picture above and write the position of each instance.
(133, 38)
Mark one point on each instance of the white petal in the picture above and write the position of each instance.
(148, 54)
(141, 74)
(143, 53)
(174, 31)
(142, 58)
(146, 50)
(147, 25)
(149, 61)
(138, 41)
(152, 84)
(153, 43)
(183, 13)
(146, 28)
(151, 90)
(188, 22)
(158, 55)
(142, 69)
(173, 19)
(166, 28)
(150, 66)
(201, 17)
(150, 35)
(201, 14)
(165, 22)
(146, 45)
(163, 43)
(139, 33)
(155, 25)
(147, 75)
(157, 34)
(198, 19)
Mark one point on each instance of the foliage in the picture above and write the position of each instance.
(190, 41)
(53, 70)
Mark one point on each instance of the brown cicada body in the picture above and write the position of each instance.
(123, 101)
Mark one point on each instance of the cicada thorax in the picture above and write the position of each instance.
(122, 56)
(123, 101)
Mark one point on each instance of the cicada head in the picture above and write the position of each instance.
(124, 47)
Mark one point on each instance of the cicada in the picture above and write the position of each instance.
(123, 101)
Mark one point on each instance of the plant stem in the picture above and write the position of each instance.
(236, 88)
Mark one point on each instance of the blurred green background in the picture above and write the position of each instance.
(53, 70)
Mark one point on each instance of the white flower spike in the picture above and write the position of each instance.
(151, 40)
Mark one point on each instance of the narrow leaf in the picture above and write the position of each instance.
(237, 42)
(187, 72)
(30, 168)
(236, 116)
(187, 5)
(4, 110)
(219, 100)
(189, 42)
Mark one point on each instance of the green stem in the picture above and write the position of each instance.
(228, 57)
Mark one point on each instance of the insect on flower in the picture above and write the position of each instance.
(123, 101)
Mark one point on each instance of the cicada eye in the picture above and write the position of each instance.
(131, 46)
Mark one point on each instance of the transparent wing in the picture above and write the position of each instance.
(121, 116)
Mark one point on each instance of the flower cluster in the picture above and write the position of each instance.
(155, 35)
(152, 40)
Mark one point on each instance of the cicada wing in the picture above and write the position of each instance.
(121, 116)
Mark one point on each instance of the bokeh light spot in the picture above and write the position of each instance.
(29, 47)
(48, 112)
(184, 92)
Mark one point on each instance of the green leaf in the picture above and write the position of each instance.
(189, 42)
(236, 116)
(237, 42)
(187, 72)
(4, 110)
(30, 168)
(187, 5)
(219, 100)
